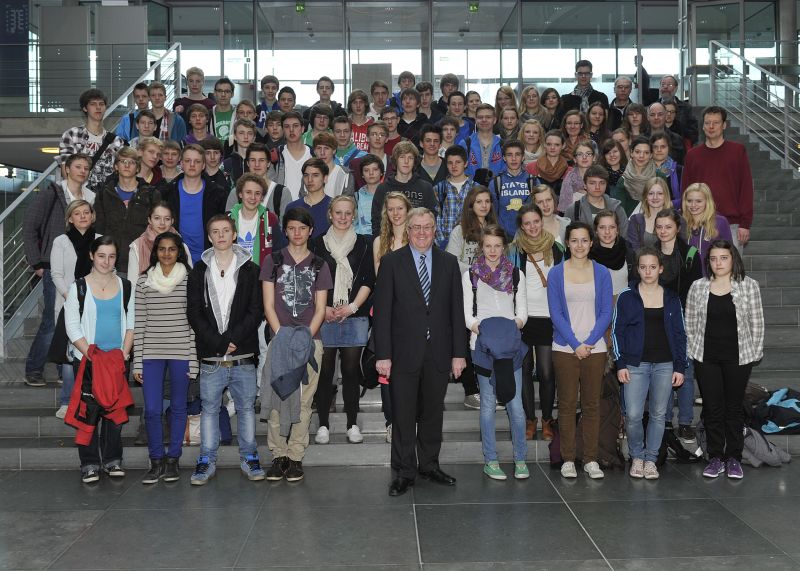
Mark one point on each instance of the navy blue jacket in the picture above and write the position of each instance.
(627, 329)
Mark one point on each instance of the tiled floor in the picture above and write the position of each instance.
(343, 517)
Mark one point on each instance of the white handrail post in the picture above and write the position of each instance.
(786, 142)
(2, 293)
(712, 74)
(178, 78)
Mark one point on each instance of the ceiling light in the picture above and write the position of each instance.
(49, 150)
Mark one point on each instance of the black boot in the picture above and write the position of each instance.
(156, 471)
(171, 472)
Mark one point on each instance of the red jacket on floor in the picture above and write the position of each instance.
(110, 390)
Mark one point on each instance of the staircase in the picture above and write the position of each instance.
(31, 437)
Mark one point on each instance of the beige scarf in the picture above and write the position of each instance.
(634, 182)
(339, 249)
(165, 284)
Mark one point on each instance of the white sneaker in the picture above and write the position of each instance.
(650, 471)
(354, 435)
(568, 470)
(637, 468)
(323, 435)
(594, 471)
(61, 412)
(389, 434)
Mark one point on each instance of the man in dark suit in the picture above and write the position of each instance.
(420, 336)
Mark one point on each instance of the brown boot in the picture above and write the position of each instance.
(530, 429)
(547, 430)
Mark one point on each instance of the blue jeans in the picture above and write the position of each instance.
(685, 398)
(516, 418)
(241, 381)
(37, 355)
(67, 382)
(653, 380)
(153, 389)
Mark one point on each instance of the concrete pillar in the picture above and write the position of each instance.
(787, 32)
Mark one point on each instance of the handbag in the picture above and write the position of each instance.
(58, 346)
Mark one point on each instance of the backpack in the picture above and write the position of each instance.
(277, 194)
(780, 414)
(609, 454)
(58, 346)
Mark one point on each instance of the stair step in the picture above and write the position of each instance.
(777, 336)
(782, 219)
(771, 248)
(775, 233)
(781, 316)
(776, 278)
(781, 359)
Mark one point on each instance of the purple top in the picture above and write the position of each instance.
(700, 240)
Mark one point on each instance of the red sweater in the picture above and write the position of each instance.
(726, 171)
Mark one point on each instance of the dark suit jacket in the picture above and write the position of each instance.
(401, 317)
(570, 102)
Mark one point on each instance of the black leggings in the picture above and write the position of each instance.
(351, 372)
(547, 382)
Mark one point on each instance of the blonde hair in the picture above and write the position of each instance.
(538, 125)
(72, 207)
(195, 71)
(509, 92)
(708, 219)
(523, 106)
(655, 181)
(145, 142)
(387, 235)
(342, 198)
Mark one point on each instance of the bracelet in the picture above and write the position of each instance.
(354, 308)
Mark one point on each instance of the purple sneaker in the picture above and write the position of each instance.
(734, 469)
(715, 468)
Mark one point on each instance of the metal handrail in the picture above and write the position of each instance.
(176, 47)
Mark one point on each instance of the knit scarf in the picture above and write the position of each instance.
(500, 278)
(584, 95)
(165, 284)
(551, 172)
(543, 244)
(669, 170)
(612, 258)
(634, 182)
(339, 249)
(144, 246)
(81, 243)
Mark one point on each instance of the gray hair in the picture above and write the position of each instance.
(419, 211)
(623, 78)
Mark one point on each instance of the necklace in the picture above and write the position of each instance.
(221, 269)
(108, 282)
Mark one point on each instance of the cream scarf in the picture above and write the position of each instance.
(165, 284)
(339, 249)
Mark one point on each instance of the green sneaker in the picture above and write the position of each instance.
(493, 470)
(521, 470)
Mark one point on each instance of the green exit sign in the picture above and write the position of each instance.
(473, 7)
(300, 7)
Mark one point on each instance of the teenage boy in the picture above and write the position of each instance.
(244, 132)
(584, 94)
(199, 116)
(451, 193)
(222, 113)
(340, 180)
(225, 309)
(269, 101)
(406, 80)
(319, 120)
(276, 196)
(194, 200)
(447, 85)
(411, 121)
(273, 134)
(287, 168)
(213, 155)
(449, 126)
(511, 188)
(419, 192)
(431, 168)
(457, 108)
(596, 180)
(325, 89)
(287, 99)
(256, 227)
(127, 128)
(376, 135)
(371, 171)
(484, 150)
(195, 80)
(91, 139)
(426, 107)
(295, 285)
(379, 92)
(357, 104)
(346, 149)
(145, 126)
(168, 125)
(170, 160)
(390, 116)
(723, 165)
(314, 199)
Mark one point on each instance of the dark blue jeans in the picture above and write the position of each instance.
(37, 356)
(153, 389)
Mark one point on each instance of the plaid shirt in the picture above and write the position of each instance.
(75, 140)
(749, 319)
(450, 202)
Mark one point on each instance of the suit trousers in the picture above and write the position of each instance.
(417, 403)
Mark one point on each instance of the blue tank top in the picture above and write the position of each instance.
(108, 329)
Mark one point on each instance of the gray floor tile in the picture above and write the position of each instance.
(32, 540)
(493, 532)
(566, 565)
(618, 486)
(171, 538)
(325, 567)
(367, 536)
(659, 529)
(474, 487)
(774, 518)
(757, 482)
(229, 488)
(60, 490)
(6, 474)
(329, 487)
(739, 563)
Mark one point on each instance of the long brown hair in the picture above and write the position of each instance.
(470, 225)
(387, 235)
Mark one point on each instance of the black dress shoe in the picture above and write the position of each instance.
(436, 475)
(400, 486)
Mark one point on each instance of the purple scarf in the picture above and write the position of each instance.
(501, 278)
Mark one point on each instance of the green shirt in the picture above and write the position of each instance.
(222, 124)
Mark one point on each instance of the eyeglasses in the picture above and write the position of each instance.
(127, 162)
(224, 91)
(417, 228)
(583, 155)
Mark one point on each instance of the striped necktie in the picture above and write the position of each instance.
(424, 279)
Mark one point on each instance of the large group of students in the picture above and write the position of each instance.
(222, 253)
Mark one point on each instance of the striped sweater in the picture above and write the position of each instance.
(162, 328)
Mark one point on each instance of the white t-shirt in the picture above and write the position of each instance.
(246, 235)
(293, 180)
(94, 143)
(88, 195)
(337, 179)
(537, 293)
(225, 286)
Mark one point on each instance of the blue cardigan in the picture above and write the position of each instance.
(627, 333)
(559, 313)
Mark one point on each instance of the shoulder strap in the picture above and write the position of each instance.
(515, 287)
(277, 194)
(577, 212)
(126, 294)
(473, 279)
(130, 124)
(498, 180)
(531, 184)
(277, 261)
(690, 254)
(316, 265)
(81, 285)
(107, 140)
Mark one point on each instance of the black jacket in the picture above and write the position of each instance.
(570, 102)
(441, 174)
(124, 223)
(690, 270)
(214, 199)
(418, 192)
(246, 313)
(361, 262)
